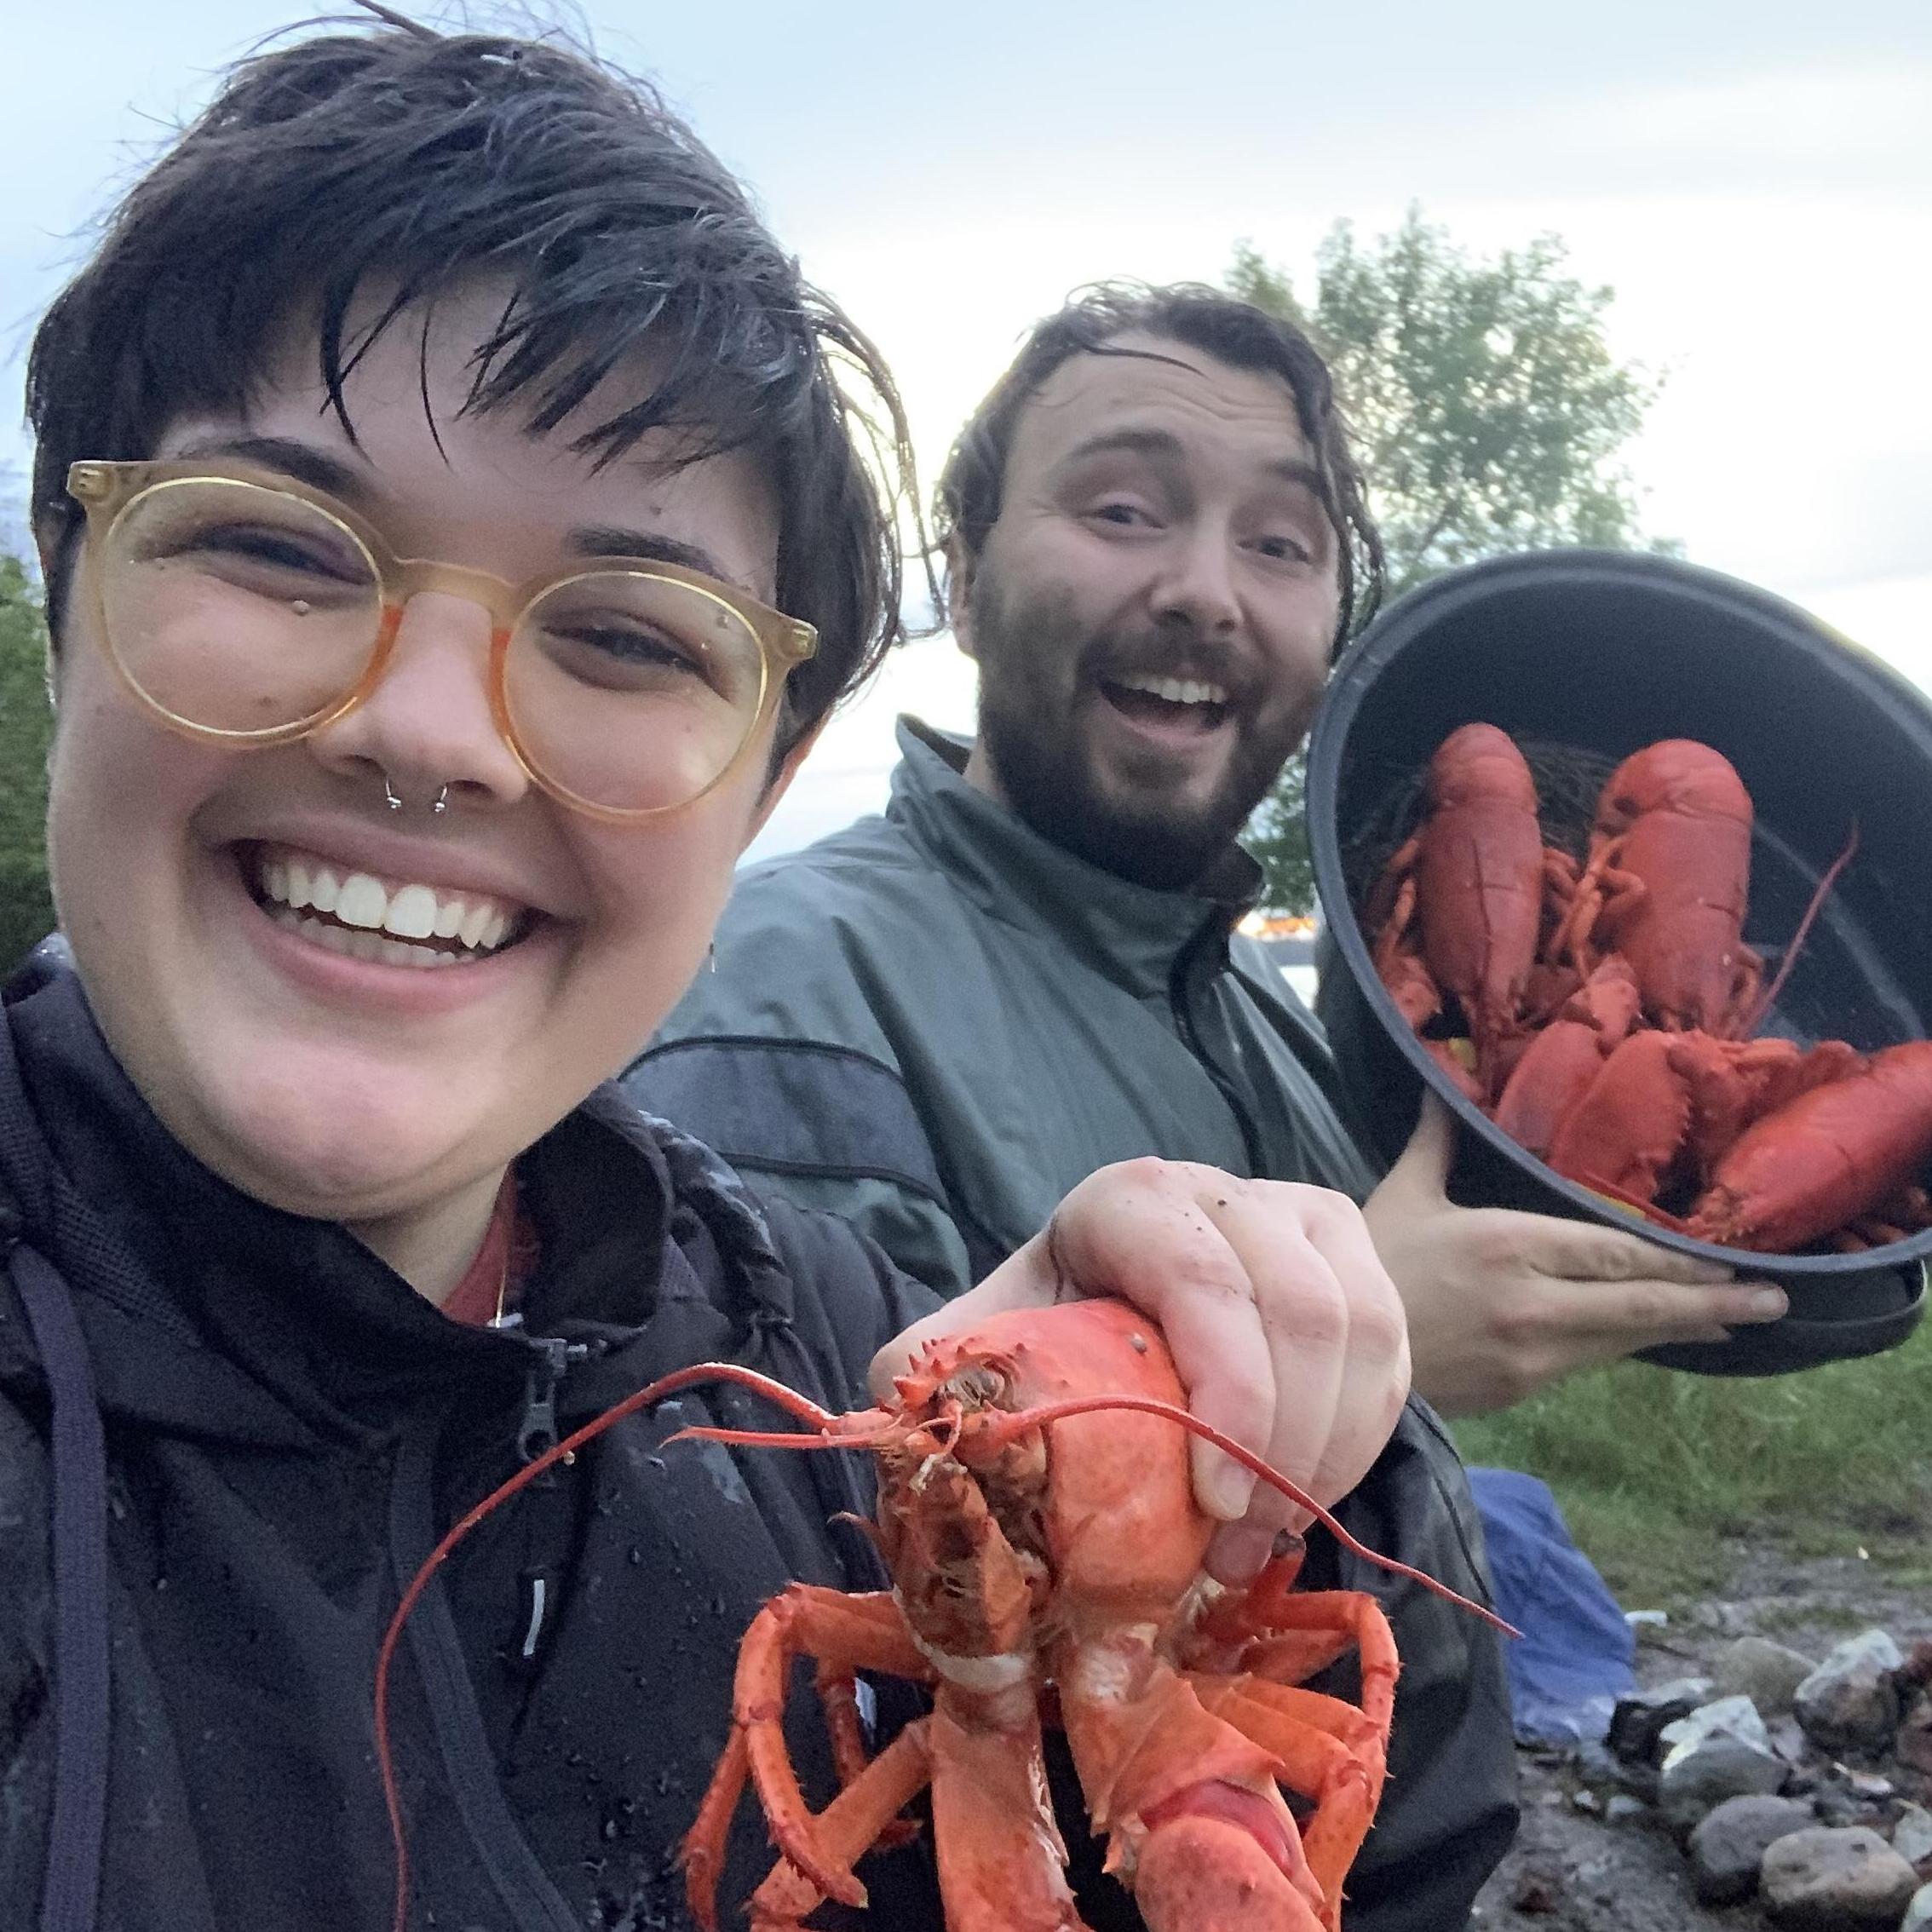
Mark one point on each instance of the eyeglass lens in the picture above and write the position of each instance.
(245, 610)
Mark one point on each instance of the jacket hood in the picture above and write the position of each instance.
(212, 1314)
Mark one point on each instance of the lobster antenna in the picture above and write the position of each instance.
(1811, 911)
(1017, 1422)
(1006, 1424)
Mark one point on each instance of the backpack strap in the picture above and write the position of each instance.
(71, 1899)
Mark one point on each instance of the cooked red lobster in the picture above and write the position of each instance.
(1037, 1515)
(1665, 885)
(1460, 907)
(1644, 1082)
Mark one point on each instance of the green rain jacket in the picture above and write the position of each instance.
(936, 1023)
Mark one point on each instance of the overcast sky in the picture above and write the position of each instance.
(1754, 177)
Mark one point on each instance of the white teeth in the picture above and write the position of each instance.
(362, 901)
(412, 913)
(360, 945)
(409, 914)
(1177, 690)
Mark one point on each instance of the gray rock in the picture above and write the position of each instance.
(1637, 1719)
(1912, 1836)
(1823, 1880)
(1716, 1768)
(1918, 1913)
(1788, 1739)
(1767, 1673)
(1728, 1716)
(1727, 1848)
(1696, 1690)
(1623, 1810)
(1850, 1702)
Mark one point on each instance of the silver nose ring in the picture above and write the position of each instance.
(439, 806)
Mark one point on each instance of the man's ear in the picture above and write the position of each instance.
(959, 596)
(779, 782)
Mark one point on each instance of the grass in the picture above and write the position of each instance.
(1654, 1469)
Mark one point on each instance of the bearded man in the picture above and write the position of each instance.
(936, 1022)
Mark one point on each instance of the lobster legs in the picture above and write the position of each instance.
(845, 1634)
(1181, 1766)
(1001, 1857)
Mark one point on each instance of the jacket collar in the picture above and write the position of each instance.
(1130, 934)
(208, 1310)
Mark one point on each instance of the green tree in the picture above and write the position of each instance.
(26, 914)
(1488, 412)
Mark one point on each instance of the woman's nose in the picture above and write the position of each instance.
(429, 722)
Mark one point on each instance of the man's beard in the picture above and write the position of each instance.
(1026, 736)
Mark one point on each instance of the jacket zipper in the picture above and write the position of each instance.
(537, 1430)
(469, 1767)
(1177, 996)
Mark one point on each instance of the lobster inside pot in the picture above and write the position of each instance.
(1638, 1083)
(1583, 657)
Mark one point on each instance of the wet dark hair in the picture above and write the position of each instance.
(407, 164)
(967, 501)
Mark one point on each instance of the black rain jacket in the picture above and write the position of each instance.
(289, 1427)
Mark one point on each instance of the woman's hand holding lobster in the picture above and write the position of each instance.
(1500, 1303)
(1283, 1323)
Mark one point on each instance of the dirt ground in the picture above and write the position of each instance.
(1571, 1870)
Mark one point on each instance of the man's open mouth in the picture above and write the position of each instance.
(1188, 702)
(391, 921)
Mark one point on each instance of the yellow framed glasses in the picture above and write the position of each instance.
(246, 609)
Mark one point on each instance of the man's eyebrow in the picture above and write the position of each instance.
(1164, 444)
(650, 546)
(1132, 441)
(302, 461)
(1299, 470)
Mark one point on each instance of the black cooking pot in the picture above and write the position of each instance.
(1583, 656)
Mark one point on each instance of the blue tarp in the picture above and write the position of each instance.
(1574, 1657)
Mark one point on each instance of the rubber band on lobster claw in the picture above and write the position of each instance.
(981, 1433)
